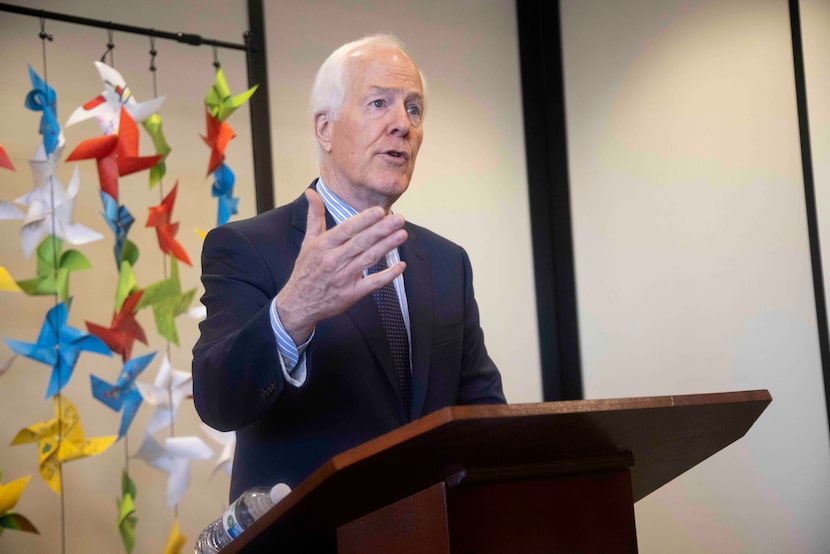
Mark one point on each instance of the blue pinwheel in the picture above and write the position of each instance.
(42, 98)
(59, 346)
(222, 189)
(123, 394)
(119, 220)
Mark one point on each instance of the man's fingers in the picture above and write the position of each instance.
(316, 219)
(373, 282)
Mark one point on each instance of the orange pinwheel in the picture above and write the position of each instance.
(159, 217)
(117, 155)
(219, 134)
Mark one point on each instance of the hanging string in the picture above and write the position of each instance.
(109, 50)
(44, 36)
(216, 63)
(153, 70)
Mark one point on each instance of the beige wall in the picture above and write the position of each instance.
(693, 268)
(470, 186)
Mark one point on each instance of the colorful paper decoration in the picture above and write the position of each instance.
(219, 134)
(119, 219)
(174, 459)
(7, 283)
(106, 107)
(53, 279)
(9, 495)
(127, 520)
(168, 302)
(124, 329)
(219, 100)
(227, 440)
(159, 217)
(222, 189)
(4, 159)
(116, 155)
(153, 127)
(58, 346)
(123, 394)
(60, 440)
(42, 98)
(170, 387)
(175, 541)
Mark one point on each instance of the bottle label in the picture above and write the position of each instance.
(229, 522)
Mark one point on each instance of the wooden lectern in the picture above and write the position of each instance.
(525, 478)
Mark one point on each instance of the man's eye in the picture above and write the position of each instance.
(377, 103)
(414, 110)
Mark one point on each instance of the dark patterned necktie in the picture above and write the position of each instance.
(392, 319)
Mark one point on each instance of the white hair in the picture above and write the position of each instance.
(329, 89)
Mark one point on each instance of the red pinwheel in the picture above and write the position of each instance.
(159, 217)
(4, 159)
(124, 329)
(219, 134)
(117, 155)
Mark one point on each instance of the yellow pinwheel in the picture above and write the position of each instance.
(61, 440)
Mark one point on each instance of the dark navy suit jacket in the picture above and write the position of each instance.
(351, 394)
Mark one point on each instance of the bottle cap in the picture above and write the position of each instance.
(279, 491)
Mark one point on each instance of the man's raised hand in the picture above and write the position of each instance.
(327, 278)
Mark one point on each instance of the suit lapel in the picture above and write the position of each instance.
(418, 284)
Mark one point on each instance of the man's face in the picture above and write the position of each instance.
(375, 139)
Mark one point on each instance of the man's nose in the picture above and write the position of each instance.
(399, 123)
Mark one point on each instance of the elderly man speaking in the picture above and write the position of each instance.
(331, 320)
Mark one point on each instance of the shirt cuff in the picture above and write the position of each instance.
(292, 357)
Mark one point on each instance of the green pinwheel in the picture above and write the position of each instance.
(168, 302)
(51, 279)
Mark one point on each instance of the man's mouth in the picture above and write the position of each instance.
(397, 154)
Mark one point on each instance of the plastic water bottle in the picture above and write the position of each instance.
(245, 510)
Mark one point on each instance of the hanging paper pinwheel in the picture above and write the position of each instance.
(124, 330)
(223, 190)
(219, 134)
(220, 104)
(9, 495)
(127, 519)
(6, 282)
(58, 346)
(106, 107)
(175, 541)
(159, 217)
(219, 100)
(168, 302)
(4, 159)
(227, 440)
(53, 216)
(174, 459)
(61, 440)
(153, 127)
(51, 279)
(50, 207)
(123, 394)
(42, 98)
(120, 220)
(166, 394)
(116, 155)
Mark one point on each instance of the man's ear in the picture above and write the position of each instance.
(323, 130)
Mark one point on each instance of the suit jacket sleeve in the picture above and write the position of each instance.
(236, 370)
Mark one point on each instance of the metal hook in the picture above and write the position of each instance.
(216, 63)
(43, 34)
(110, 45)
(153, 52)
